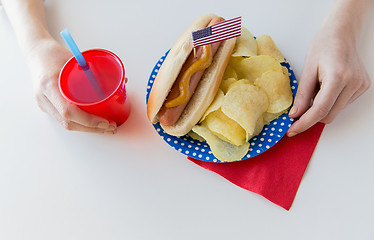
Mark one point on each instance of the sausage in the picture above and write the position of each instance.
(169, 116)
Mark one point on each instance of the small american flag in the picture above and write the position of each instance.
(219, 32)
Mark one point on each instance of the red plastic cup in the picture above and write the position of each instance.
(109, 72)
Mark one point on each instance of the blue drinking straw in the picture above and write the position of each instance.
(82, 62)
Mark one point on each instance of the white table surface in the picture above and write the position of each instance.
(56, 184)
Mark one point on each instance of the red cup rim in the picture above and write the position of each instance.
(109, 96)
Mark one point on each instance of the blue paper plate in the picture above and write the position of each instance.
(188, 146)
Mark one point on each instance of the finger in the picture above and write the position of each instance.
(71, 112)
(357, 95)
(340, 103)
(356, 87)
(306, 89)
(49, 108)
(363, 88)
(42, 102)
(73, 126)
(322, 105)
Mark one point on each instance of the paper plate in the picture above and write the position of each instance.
(188, 146)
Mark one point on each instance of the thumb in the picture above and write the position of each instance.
(306, 90)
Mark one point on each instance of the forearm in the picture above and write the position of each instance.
(28, 20)
(348, 16)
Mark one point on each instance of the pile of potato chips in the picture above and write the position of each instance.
(255, 90)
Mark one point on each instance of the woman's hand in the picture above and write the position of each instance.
(45, 61)
(333, 76)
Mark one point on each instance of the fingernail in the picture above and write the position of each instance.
(103, 125)
(111, 132)
(293, 110)
(291, 134)
(112, 127)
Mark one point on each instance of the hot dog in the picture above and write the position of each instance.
(178, 110)
(168, 116)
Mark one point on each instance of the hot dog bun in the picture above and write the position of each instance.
(205, 91)
(171, 67)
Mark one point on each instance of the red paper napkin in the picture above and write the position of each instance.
(275, 174)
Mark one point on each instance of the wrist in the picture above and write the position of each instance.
(347, 17)
(36, 46)
(335, 27)
(28, 43)
(28, 20)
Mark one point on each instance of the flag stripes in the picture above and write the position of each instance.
(219, 32)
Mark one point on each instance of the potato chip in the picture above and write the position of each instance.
(230, 73)
(216, 104)
(241, 81)
(245, 103)
(195, 136)
(285, 71)
(252, 68)
(268, 117)
(225, 128)
(278, 89)
(226, 83)
(266, 46)
(235, 61)
(259, 126)
(246, 45)
(222, 150)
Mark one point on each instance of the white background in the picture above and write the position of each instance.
(56, 184)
